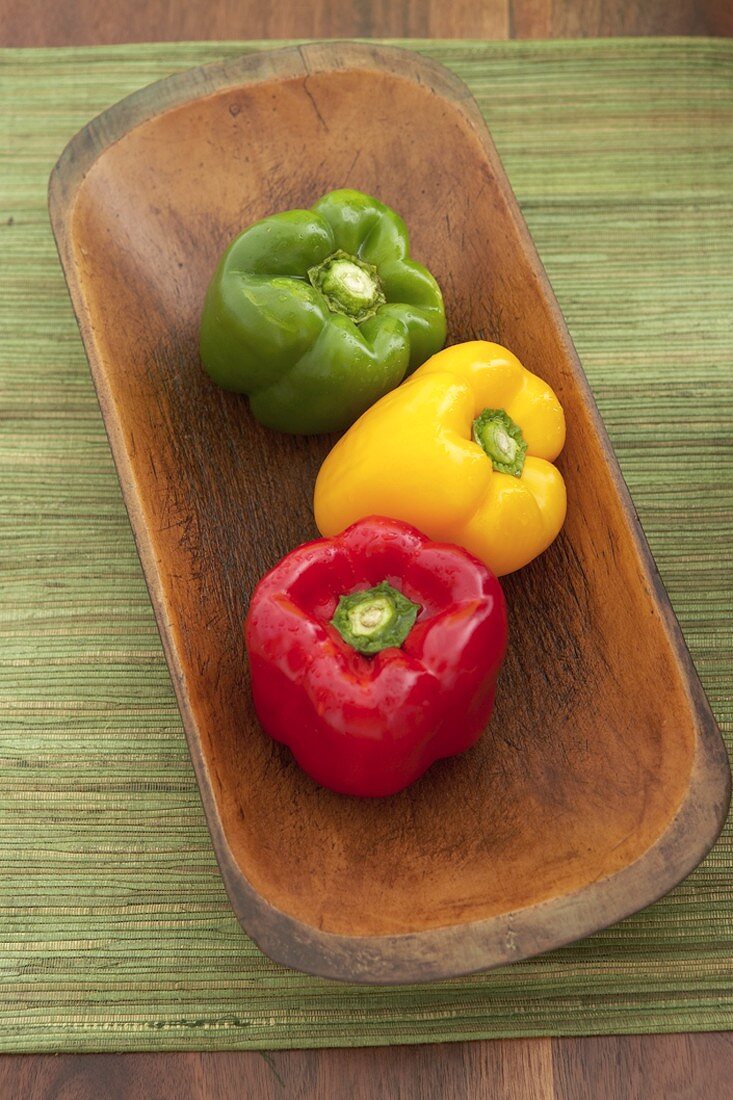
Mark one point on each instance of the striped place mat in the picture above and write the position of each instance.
(115, 929)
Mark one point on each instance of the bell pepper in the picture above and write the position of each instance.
(463, 450)
(374, 654)
(317, 313)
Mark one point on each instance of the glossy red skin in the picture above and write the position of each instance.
(370, 726)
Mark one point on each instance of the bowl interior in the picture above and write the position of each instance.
(591, 744)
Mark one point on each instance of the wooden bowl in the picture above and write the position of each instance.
(602, 780)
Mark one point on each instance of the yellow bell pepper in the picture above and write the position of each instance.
(463, 451)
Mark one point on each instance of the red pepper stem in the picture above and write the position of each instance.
(375, 619)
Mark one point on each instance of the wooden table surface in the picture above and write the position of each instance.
(673, 1067)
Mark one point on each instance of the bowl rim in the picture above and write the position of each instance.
(458, 949)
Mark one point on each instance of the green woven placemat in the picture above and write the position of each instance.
(115, 930)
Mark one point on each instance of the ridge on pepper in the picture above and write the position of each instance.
(315, 314)
(463, 450)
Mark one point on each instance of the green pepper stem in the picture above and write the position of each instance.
(378, 618)
(502, 440)
(349, 285)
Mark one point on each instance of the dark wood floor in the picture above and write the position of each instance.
(665, 1067)
(97, 22)
(671, 1067)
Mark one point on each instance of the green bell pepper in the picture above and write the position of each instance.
(318, 313)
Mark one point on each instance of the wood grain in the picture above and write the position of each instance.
(600, 1068)
(503, 1070)
(87, 22)
(663, 1067)
(640, 1067)
(598, 19)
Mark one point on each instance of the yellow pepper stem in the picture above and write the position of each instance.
(502, 440)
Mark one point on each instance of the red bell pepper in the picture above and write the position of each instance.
(375, 653)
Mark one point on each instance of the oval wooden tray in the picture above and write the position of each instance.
(602, 780)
